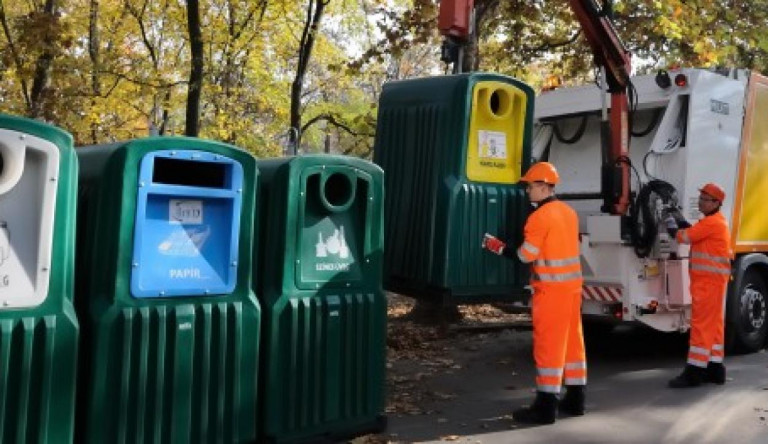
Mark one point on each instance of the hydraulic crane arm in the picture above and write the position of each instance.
(455, 23)
(615, 61)
(606, 45)
(454, 18)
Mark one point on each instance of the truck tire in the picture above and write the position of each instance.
(745, 318)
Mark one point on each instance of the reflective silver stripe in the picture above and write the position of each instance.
(697, 362)
(550, 277)
(522, 257)
(533, 249)
(575, 381)
(709, 257)
(548, 388)
(576, 365)
(698, 350)
(558, 262)
(710, 269)
(715, 359)
(549, 371)
(717, 347)
(684, 235)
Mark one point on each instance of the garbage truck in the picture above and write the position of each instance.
(630, 149)
(688, 127)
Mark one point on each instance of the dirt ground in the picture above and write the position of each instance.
(421, 353)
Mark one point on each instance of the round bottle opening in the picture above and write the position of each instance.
(499, 103)
(337, 190)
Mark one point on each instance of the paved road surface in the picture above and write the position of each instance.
(627, 398)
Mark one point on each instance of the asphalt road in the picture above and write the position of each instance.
(627, 397)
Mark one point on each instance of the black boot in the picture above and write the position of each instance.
(573, 401)
(691, 376)
(715, 373)
(542, 411)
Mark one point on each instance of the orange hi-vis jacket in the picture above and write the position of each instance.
(710, 270)
(551, 246)
(710, 241)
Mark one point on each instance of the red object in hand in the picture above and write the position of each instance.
(493, 244)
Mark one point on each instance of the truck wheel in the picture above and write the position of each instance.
(746, 323)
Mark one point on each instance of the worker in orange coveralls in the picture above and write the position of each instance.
(710, 269)
(551, 246)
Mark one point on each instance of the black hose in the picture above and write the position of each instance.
(651, 126)
(628, 161)
(576, 136)
(643, 228)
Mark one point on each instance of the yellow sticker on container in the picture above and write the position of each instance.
(496, 130)
(493, 145)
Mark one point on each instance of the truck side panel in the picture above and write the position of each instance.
(750, 230)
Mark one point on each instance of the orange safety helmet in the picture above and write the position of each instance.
(713, 190)
(541, 172)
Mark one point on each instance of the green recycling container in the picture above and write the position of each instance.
(38, 327)
(453, 149)
(170, 321)
(319, 280)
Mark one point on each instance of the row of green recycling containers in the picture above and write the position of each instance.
(185, 292)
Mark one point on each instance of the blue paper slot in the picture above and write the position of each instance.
(187, 225)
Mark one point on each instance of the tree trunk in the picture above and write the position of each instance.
(471, 60)
(315, 9)
(14, 54)
(94, 53)
(164, 121)
(42, 78)
(192, 125)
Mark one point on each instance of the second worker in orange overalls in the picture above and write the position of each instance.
(710, 269)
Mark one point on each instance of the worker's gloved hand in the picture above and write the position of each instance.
(678, 217)
(493, 244)
(671, 225)
(681, 222)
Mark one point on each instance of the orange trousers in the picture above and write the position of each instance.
(707, 319)
(558, 338)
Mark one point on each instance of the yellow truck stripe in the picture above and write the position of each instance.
(750, 230)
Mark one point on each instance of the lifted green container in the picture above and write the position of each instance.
(38, 327)
(453, 149)
(319, 278)
(165, 360)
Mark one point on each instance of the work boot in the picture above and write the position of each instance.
(573, 401)
(691, 376)
(542, 411)
(715, 373)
